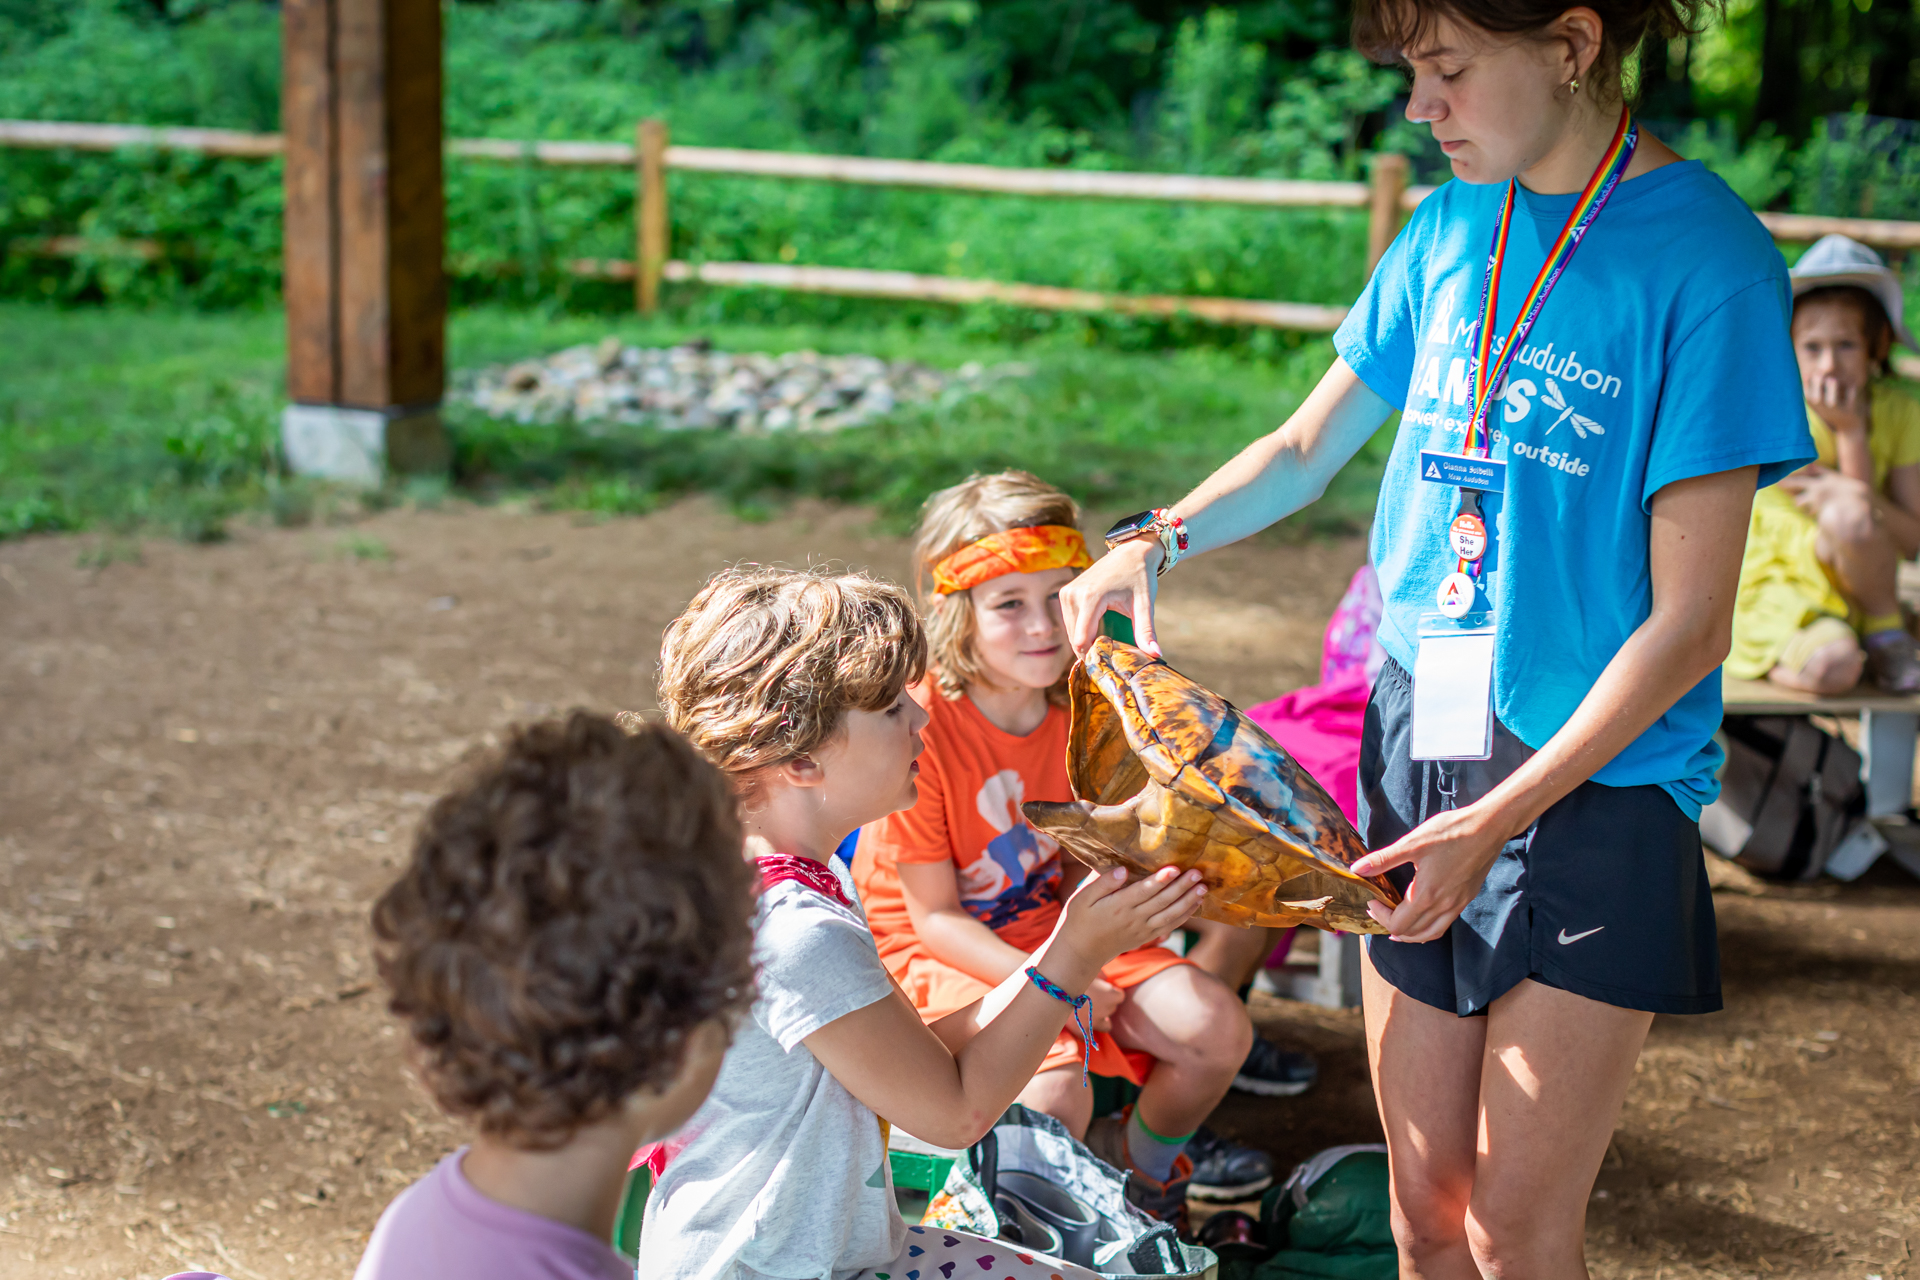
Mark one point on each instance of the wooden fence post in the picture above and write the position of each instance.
(365, 226)
(1383, 208)
(650, 175)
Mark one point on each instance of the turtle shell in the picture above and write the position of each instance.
(1167, 772)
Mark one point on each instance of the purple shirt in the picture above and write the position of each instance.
(442, 1226)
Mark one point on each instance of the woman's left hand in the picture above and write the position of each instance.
(1451, 853)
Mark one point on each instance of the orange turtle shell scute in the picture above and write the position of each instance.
(1167, 772)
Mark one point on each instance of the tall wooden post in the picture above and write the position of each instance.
(650, 201)
(365, 285)
(1383, 208)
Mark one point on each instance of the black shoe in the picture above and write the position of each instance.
(1891, 661)
(1275, 1072)
(1225, 1170)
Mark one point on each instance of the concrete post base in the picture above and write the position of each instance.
(363, 446)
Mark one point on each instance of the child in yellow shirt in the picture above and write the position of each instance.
(1817, 606)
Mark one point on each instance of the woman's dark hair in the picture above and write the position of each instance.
(1385, 29)
(569, 915)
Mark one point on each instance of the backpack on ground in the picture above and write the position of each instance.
(1331, 1219)
(1789, 796)
(1031, 1182)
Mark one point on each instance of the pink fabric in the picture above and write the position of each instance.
(1320, 725)
(1320, 728)
(1351, 641)
(442, 1228)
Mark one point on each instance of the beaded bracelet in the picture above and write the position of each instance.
(1082, 1014)
(1173, 538)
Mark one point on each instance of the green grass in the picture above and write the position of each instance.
(145, 421)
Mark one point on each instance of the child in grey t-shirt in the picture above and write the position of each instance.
(795, 684)
(782, 1171)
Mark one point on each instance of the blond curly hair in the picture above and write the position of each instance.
(764, 663)
(977, 506)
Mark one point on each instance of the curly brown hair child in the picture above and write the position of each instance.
(568, 947)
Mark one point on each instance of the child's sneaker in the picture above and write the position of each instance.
(1167, 1200)
(1891, 661)
(1223, 1170)
(1274, 1072)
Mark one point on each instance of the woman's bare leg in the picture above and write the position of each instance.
(1555, 1074)
(1426, 1076)
(1199, 1034)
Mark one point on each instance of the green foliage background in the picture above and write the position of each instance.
(1255, 89)
(128, 419)
(159, 411)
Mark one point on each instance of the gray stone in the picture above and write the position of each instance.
(693, 387)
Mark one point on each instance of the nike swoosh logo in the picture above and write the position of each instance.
(1565, 940)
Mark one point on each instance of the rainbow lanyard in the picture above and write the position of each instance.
(1489, 371)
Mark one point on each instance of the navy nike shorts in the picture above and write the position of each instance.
(1605, 895)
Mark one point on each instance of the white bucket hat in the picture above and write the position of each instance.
(1837, 260)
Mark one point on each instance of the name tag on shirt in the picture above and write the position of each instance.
(1463, 472)
(1453, 689)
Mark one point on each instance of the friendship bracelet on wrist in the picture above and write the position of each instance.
(1172, 534)
(1082, 1015)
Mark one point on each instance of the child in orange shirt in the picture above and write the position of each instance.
(959, 889)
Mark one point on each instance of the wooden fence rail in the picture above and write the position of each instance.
(1387, 198)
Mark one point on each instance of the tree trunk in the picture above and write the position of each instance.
(1892, 31)
(1781, 101)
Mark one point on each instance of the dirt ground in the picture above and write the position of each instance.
(211, 759)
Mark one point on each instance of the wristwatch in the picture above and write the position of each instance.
(1160, 523)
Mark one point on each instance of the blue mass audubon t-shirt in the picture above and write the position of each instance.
(1663, 353)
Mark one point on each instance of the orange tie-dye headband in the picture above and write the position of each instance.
(1030, 550)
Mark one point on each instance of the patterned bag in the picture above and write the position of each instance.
(1127, 1243)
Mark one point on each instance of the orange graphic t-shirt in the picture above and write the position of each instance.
(973, 778)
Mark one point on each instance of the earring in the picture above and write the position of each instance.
(1573, 86)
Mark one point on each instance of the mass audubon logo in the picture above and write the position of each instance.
(1519, 395)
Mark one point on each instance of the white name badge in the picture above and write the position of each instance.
(1453, 688)
(1462, 471)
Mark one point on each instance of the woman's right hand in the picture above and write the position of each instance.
(1107, 916)
(1123, 580)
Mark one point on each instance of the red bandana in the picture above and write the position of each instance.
(789, 866)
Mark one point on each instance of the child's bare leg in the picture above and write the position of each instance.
(1823, 657)
(1198, 1032)
(1228, 952)
(1857, 547)
(1061, 1094)
(1831, 669)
